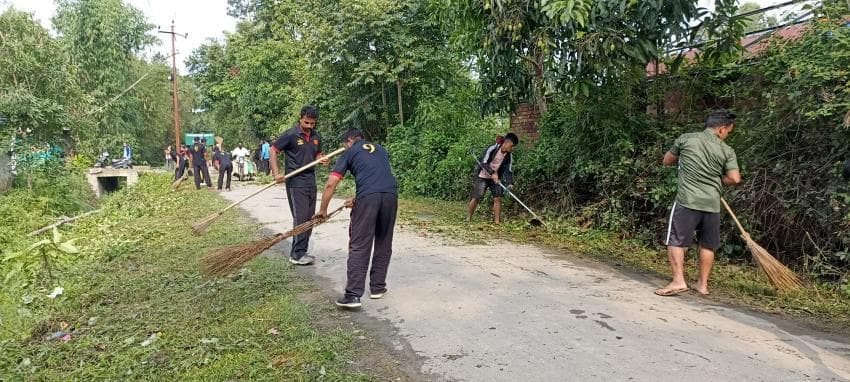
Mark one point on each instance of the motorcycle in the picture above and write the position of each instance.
(121, 163)
(240, 168)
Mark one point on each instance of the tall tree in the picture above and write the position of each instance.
(39, 95)
(528, 49)
(376, 48)
(103, 37)
(364, 62)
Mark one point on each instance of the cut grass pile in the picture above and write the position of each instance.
(135, 307)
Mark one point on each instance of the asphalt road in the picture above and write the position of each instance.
(505, 312)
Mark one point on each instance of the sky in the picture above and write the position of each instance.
(201, 19)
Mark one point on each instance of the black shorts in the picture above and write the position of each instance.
(480, 186)
(685, 221)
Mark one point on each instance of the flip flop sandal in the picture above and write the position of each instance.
(671, 292)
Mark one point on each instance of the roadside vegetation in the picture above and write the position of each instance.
(124, 299)
(434, 81)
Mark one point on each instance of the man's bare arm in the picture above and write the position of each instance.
(670, 159)
(278, 177)
(731, 178)
(328, 194)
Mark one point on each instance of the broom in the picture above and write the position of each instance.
(777, 273)
(177, 182)
(201, 226)
(224, 260)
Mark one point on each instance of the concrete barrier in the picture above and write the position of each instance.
(103, 180)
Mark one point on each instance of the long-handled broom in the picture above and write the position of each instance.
(179, 180)
(201, 226)
(777, 273)
(224, 260)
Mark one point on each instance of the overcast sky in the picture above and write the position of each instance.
(201, 19)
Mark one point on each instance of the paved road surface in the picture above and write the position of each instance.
(515, 313)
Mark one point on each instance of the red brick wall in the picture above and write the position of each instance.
(524, 123)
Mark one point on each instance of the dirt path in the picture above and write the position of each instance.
(509, 313)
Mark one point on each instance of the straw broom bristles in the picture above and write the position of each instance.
(224, 260)
(201, 226)
(777, 273)
(177, 182)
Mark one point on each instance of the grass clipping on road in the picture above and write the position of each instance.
(135, 306)
(739, 284)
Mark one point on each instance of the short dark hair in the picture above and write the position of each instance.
(512, 137)
(719, 118)
(310, 111)
(352, 133)
(197, 139)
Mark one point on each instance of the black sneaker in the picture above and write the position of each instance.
(348, 302)
(378, 294)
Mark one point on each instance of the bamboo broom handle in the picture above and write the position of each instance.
(735, 218)
(287, 176)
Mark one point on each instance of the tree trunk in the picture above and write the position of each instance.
(398, 84)
(660, 94)
(386, 112)
(539, 84)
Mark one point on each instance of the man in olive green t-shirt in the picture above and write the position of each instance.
(705, 164)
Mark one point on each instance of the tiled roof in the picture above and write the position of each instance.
(791, 32)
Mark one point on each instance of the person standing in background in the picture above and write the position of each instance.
(199, 163)
(128, 152)
(264, 156)
(241, 153)
(182, 160)
(169, 158)
(222, 163)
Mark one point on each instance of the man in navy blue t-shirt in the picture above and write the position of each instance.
(373, 214)
(300, 145)
(198, 151)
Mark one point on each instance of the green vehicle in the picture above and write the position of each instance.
(188, 138)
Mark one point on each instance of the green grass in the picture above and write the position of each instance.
(737, 284)
(137, 308)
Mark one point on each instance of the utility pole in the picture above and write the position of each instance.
(174, 83)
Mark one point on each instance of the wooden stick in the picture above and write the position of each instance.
(735, 218)
(63, 221)
(201, 226)
(287, 176)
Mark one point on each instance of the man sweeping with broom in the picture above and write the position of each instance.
(705, 165)
(372, 217)
(301, 145)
